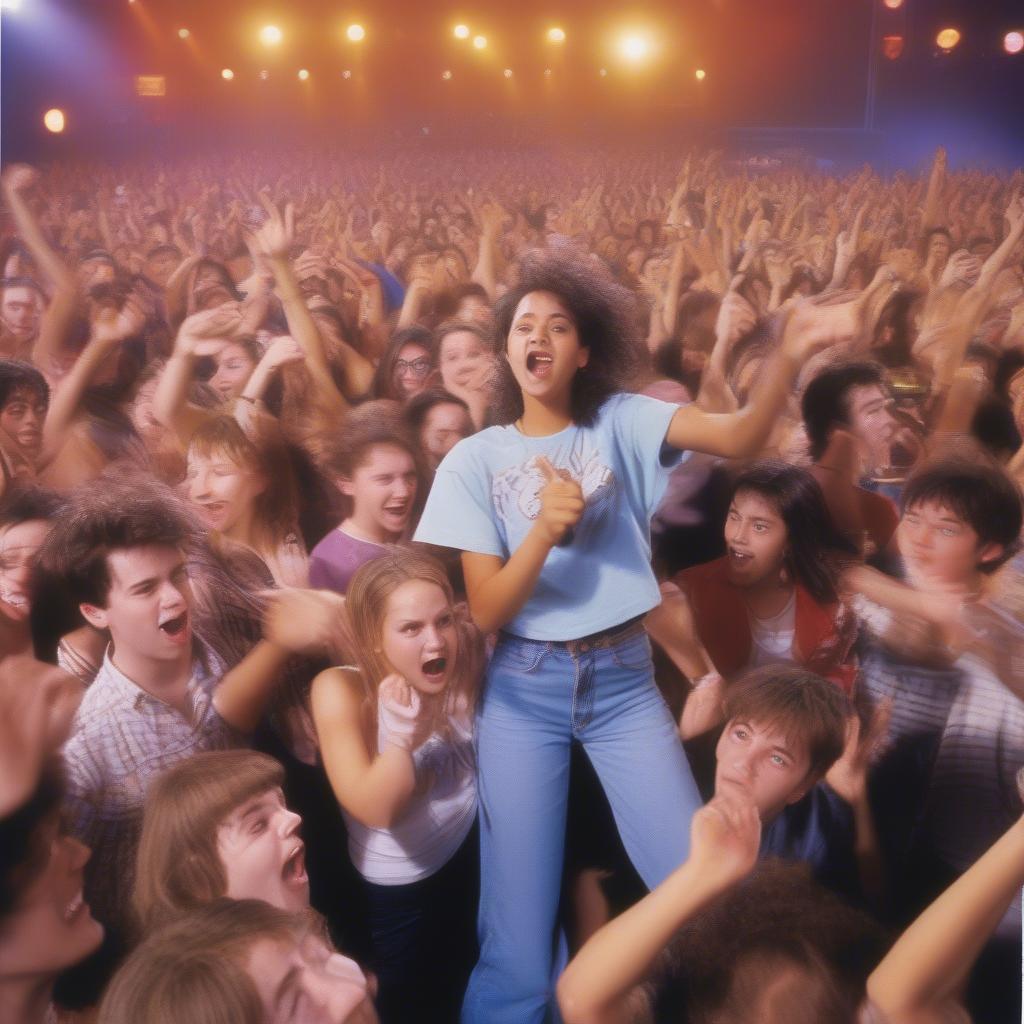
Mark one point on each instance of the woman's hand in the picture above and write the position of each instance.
(405, 717)
(277, 235)
(561, 503)
(205, 332)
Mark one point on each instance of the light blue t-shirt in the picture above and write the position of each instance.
(485, 498)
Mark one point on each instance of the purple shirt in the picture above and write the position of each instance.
(336, 559)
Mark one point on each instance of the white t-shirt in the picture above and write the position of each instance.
(772, 638)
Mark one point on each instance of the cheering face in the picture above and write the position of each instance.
(51, 927)
(382, 489)
(19, 545)
(234, 368)
(755, 540)
(939, 548)
(20, 311)
(872, 422)
(149, 605)
(757, 759)
(419, 637)
(544, 349)
(224, 491)
(262, 854)
(411, 369)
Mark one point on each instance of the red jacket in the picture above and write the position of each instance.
(824, 638)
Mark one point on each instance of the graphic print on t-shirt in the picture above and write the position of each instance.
(516, 490)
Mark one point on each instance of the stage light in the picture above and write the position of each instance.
(346, 74)
(947, 39)
(556, 35)
(446, 75)
(10, 5)
(264, 74)
(479, 42)
(603, 72)
(303, 75)
(54, 120)
(270, 35)
(700, 74)
(183, 33)
(1013, 42)
(355, 33)
(547, 72)
(893, 5)
(635, 47)
(507, 72)
(461, 31)
(227, 74)
(892, 47)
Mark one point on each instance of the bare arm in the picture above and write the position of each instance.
(242, 695)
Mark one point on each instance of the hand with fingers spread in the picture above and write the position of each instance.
(405, 717)
(725, 836)
(277, 235)
(302, 621)
(848, 776)
(111, 325)
(561, 503)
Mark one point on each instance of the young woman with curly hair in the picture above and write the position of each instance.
(551, 510)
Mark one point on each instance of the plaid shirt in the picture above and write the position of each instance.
(122, 739)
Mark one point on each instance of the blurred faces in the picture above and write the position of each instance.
(443, 427)
(474, 308)
(755, 539)
(22, 418)
(382, 489)
(161, 264)
(464, 360)
(20, 309)
(19, 545)
(419, 638)
(939, 248)
(412, 367)
(262, 854)
(148, 609)
(299, 982)
(224, 491)
(52, 927)
(872, 422)
(939, 549)
(234, 368)
(756, 758)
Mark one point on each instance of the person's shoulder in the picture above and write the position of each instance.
(475, 448)
(715, 571)
(338, 691)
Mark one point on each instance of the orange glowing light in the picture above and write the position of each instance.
(303, 75)
(556, 35)
(355, 33)
(183, 33)
(461, 31)
(507, 72)
(948, 38)
(1013, 42)
(700, 74)
(480, 42)
(446, 75)
(893, 5)
(227, 74)
(270, 35)
(635, 47)
(892, 47)
(54, 120)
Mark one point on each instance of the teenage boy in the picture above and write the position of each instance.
(950, 660)
(786, 728)
(160, 695)
(847, 414)
(374, 466)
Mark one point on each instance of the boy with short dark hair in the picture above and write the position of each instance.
(785, 730)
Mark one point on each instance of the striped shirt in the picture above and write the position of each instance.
(122, 739)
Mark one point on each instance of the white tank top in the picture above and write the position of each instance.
(435, 821)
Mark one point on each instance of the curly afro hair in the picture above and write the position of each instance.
(607, 319)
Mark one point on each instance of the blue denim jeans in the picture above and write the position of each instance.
(538, 696)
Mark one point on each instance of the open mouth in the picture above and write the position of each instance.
(539, 364)
(399, 511)
(175, 628)
(435, 668)
(739, 557)
(294, 870)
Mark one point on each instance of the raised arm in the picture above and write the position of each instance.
(596, 986)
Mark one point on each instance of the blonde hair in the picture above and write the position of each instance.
(366, 605)
(178, 867)
(194, 969)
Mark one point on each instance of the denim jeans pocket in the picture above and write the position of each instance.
(519, 655)
(633, 654)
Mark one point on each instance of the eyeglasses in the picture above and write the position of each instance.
(417, 367)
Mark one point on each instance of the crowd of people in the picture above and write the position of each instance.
(507, 588)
